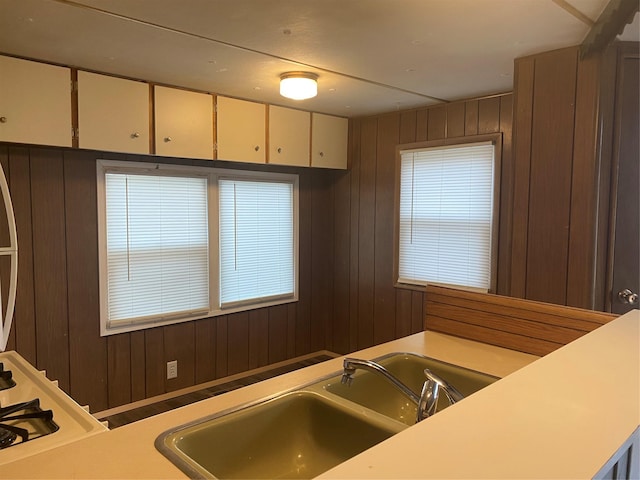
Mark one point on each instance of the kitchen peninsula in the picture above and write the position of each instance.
(562, 416)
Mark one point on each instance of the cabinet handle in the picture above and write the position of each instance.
(3, 119)
(321, 154)
(167, 139)
(256, 148)
(135, 135)
(279, 150)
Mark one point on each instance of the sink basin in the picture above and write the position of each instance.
(297, 435)
(373, 391)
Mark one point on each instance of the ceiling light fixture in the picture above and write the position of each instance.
(298, 85)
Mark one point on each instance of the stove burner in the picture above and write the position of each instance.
(25, 420)
(6, 438)
(6, 378)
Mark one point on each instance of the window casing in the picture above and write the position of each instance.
(174, 247)
(446, 220)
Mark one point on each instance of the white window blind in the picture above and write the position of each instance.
(157, 246)
(257, 247)
(446, 205)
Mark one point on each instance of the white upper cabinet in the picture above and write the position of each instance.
(329, 136)
(35, 103)
(184, 123)
(113, 113)
(289, 136)
(241, 128)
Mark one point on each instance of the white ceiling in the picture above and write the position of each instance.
(371, 56)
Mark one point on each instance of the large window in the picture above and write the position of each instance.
(446, 221)
(180, 243)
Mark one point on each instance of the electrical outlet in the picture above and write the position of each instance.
(172, 369)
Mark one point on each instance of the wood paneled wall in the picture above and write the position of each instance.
(367, 308)
(552, 202)
(561, 187)
(56, 324)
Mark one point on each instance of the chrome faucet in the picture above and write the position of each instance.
(352, 364)
(431, 393)
(426, 402)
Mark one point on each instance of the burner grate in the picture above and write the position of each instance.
(6, 378)
(23, 422)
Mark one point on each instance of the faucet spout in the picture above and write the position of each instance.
(426, 402)
(353, 364)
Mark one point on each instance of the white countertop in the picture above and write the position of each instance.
(562, 416)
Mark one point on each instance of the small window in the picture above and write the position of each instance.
(179, 243)
(157, 241)
(446, 223)
(256, 241)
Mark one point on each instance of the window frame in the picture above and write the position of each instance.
(496, 139)
(104, 166)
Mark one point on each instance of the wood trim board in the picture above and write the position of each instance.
(524, 325)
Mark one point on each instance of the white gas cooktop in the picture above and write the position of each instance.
(73, 422)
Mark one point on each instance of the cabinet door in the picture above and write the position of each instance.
(289, 136)
(241, 128)
(184, 123)
(35, 103)
(329, 141)
(113, 113)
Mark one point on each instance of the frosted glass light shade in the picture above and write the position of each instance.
(298, 85)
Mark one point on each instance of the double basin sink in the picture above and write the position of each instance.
(307, 431)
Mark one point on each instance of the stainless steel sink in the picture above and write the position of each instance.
(297, 435)
(374, 392)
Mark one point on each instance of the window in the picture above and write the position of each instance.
(179, 243)
(445, 226)
(256, 240)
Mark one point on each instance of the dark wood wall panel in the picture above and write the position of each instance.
(339, 340)
(57, 314)
(222, 345)
(259, 338)
(118, 368)
(560, 190)
(50, 266)
(155, 369)
(523, 115)
(178, 343)
(584, 188)
(366, 231)
(303, 326)
(205, 354)
(471, 118)
(278, 334)
(355, 141)
(506, 196)
(455, 119)
(138, 366)
(377, 310)
(321, 260)
(88, 358)
(238, 336)
(384, 313)
(550, 181)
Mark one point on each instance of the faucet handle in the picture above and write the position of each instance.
(452, 393)
(428, 399)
